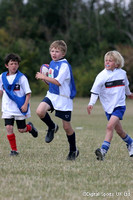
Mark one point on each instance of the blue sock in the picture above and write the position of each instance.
(105, 146)
(127, 139)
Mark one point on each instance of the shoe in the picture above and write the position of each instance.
(73, 155)
(33, 131)
(100, 154)
(130, 149)
(14, 153)
(50, 134)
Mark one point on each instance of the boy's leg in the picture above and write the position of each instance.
(52, 128)
(73, 151)
(100, 153)
(45, 117)
(23, 127)
(48, 121)
(31, 129)
(125, 137)
(11, 136)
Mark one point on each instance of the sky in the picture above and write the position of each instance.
(126, 1)
(25, 1)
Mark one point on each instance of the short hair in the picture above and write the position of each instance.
(60, 44)
(12, 57)
(117, 58)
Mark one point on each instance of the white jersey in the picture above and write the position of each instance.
(110, 86)
(62, 101)
(9, 107)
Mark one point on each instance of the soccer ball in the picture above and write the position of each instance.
(44, 70)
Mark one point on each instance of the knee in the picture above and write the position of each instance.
(109, 127)
(9, 129)
(68, 129)
(39, 113)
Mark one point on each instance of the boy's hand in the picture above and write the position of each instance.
(40, 76)
(89, 109)
(24, 107)
(130, 96)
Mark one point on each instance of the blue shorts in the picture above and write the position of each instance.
(118, 111)
(65, 115)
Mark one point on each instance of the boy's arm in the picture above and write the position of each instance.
(46, 78)
(25, 105)
(130, 96)
(93, 100)
(128, 92)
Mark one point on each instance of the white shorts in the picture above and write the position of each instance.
(7, 116)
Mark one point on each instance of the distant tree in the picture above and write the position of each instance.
(89, 27)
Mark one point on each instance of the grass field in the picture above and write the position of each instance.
(41, 171)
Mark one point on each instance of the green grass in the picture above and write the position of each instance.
(41, 171)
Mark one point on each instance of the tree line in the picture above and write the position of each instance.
(89, 27)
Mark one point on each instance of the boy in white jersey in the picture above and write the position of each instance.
(59, 97)
(15, 92)
(111, 86)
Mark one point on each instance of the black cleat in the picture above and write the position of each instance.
(99, 154)
(14, 153)
(50, 134)
(73, 155)
(33, 131)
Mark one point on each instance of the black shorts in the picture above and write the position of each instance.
(65, 115)
(21, 124)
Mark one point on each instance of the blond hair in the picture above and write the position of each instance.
(59, 44)
(119, 60)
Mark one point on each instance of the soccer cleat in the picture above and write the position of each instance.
(73, 155)
(130, 149)
(33, 131)
(50, 134)
(14, 153)
(100, 154)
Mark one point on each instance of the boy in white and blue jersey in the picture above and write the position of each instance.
(59, 97)
(16, 93)
(112, 86)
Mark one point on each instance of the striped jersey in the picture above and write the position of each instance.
(110, 87)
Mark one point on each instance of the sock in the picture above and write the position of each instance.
(127, 139)
(12, 141)
(105, 146)
(72, 141)
(28, 128)
(47, 120)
